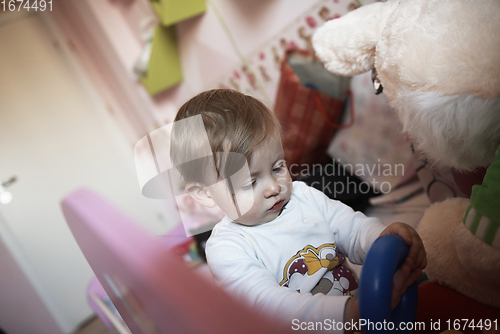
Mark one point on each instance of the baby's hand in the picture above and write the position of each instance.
(411, 270)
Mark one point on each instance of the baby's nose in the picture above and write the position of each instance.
(272, 189)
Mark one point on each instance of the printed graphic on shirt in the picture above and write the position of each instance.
(319, 270)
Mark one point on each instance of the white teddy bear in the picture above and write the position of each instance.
(438, 62)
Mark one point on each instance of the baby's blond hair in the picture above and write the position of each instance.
(234, 123)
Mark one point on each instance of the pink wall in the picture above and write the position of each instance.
(211, 45)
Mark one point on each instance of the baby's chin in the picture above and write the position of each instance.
(251, 221)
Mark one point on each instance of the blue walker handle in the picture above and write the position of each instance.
(384, 258)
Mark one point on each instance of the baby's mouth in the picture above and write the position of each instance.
(277, 206)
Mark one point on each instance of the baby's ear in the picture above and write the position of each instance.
(347, 45)
(200, 194)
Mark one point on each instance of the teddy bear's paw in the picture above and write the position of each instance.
(480, 259)
(440, 219)
(437, 228)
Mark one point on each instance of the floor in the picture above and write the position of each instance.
(409, 212)
(93, 326)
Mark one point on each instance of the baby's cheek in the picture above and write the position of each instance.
(251, 216)
(245, 201)
(287, 185)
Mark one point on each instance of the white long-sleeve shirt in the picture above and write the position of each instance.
(293, 267)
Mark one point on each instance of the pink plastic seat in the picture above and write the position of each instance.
(151, 287)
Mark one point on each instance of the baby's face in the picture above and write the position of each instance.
(269, 187)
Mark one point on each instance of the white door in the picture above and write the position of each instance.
(55, 136)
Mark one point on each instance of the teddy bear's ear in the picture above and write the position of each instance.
(347, 45)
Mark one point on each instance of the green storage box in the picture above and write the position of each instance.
(164, 67)
(173, 11)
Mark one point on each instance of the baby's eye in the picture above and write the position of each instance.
(279, 167)
(249, 185)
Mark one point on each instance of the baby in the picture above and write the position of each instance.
(281, 245)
